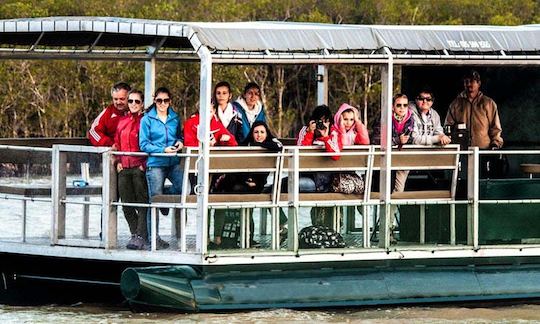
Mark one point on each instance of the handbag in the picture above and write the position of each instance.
(317, 236)
(347, 183)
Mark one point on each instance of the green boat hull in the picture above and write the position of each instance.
(184, 288)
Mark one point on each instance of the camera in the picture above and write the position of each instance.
(320, 125)
(460, 135)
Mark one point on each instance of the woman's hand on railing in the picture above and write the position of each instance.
(119, 167)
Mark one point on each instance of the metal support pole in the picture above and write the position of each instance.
(422, 224)
(366, 234)
(85, 175)
(58, 193)
(322, 85)
(243, 229)
(452, 224)
(108, 195)
(203, 135)
(294, 197)
(183, 232)
(386, 159)
(23, 234)
(149, 81)
(263, 221)
(472, 195)
(153, 228)
(274, 217)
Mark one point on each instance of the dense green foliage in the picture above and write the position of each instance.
(61, 98)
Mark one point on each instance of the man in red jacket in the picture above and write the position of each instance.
(103, 128)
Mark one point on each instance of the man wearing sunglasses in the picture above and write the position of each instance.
(103, 128)
(427, 122)
(477, 113)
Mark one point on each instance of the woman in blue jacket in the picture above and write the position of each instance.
(160, 132)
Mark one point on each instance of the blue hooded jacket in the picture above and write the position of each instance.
(155, 136)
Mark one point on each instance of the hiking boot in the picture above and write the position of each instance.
(137, 242)
(161, 244)
(393, 239)
(283, 232)
(131, 243)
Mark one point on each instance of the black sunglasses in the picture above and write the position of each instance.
(424, 99)
(401, 105)
(160, 101)
(137, 101)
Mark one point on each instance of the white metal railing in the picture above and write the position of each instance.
(110, 202)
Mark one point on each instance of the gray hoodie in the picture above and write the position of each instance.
(427, 127)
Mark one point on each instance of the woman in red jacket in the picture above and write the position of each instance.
(219, 135)
(131, 171)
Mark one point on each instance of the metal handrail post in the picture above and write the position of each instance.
(473, 197)
(58, 193)
(108, 195)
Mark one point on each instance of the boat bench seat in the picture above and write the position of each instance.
(225, 160)
(411, 158)
(214, 198)
(417, 194)
(324, 196)
(309, 162)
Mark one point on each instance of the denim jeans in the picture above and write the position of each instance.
(155, 177)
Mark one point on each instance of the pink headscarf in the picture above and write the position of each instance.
(349, 136)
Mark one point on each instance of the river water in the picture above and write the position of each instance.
(493, 313)
(518, 312)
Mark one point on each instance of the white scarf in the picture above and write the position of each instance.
(227, 115)
(251, 114)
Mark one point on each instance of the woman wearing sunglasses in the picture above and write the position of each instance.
(161, 133)
(402, 133)
(131, 170)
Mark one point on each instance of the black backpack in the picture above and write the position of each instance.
(318, 236)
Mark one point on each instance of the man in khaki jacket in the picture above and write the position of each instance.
(477, 113)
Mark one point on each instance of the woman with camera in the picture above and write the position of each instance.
(315, 133)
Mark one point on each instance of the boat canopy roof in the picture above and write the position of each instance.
(94, 37)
